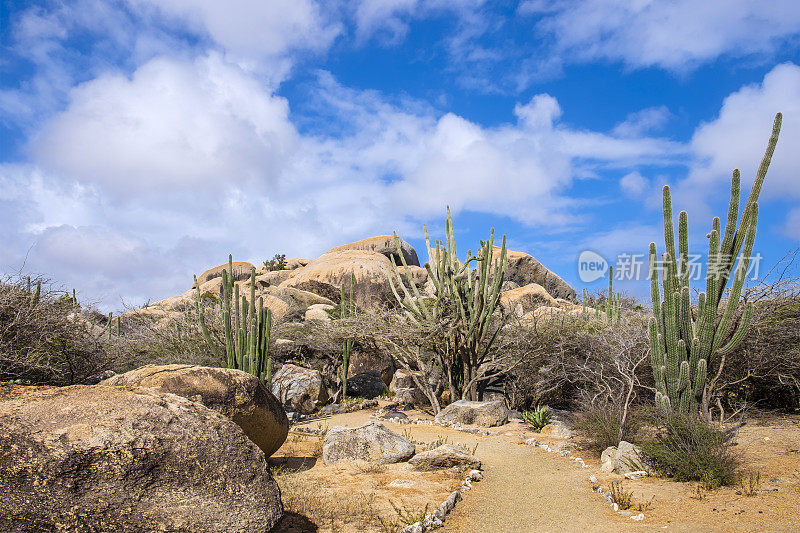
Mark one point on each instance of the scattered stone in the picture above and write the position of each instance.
(372, 442)
(475, 475)
(332, 409)
(487, 414)
(393, 416)
(416, 527)
(593, 479)
(299, 388)
(625, 513)
(615, 506)
(557, 429)
(637, 474)
(639, 517)
(445, 456)
(102, 458)
(621, 460)
(94, 379)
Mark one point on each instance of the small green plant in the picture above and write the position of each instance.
(537, 418)
(750, 484)
(278, 262)
(623, 498)
(643, 505)
(408, 515)
(438, 442)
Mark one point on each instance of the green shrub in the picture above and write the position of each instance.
(601, 425)
(689, 449)
(278, 262)
(538, 418)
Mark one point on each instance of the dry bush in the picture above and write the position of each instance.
(47, 340)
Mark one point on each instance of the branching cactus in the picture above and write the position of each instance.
(465, 299)
(689, 344)
(347, 309)
(246, 323)
(613, 301)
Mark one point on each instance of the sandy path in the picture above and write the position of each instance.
(524, 489)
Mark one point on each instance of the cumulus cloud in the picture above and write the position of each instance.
(186, 160)
(644, 121)
(633, 184)
(677, 35)
(251, 28)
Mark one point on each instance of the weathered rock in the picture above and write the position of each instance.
(523, 269)
(371, 271)
(293, 263)
(94, 379)
(319, 312)
(384, 245)
(525, 299)
(301, 389)
(272, 277)
(372, 442)
(406, 389)
(362, 360)
(241, 270)
(486, 414)
(394, 416)
(636, 474)
(238, 395)
(366, 385)
(556, 429)
(622, 459)
(326, 290)
(445, 456)
(99, 458)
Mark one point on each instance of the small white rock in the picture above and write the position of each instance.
(638, 474)
(593, 479)
(615, 506)
(639, 517)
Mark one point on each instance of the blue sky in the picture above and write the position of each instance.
(143, 140)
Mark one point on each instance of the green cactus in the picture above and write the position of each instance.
(613, 301)
(583, 302)
(346, 309)
(465, 298)
(247, 325)
(687, 345)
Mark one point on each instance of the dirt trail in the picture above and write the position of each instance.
(524, 489)
(528, 489)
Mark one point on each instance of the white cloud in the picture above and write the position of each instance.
(633, 184)
(184, 161)
(172, 125)
(677, 35)
(644, 121)
(252, 29)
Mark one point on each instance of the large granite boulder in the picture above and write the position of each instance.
(98, 458)
(372, 443)
(366, 385)
(526, 298)
(486, 414)
(241, 270)
(363, 360)
(445, 456)
(300, 389)
(523, 269)
(371, 271)
(238, 395)
(384, 245)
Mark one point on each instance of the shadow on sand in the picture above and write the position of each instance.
(294, 523)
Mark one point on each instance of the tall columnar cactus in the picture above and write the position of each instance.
(689, 345)
(347, 309)
(465, 299)
(613, 301)
(246, 323)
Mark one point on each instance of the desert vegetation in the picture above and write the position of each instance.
(674, 381)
